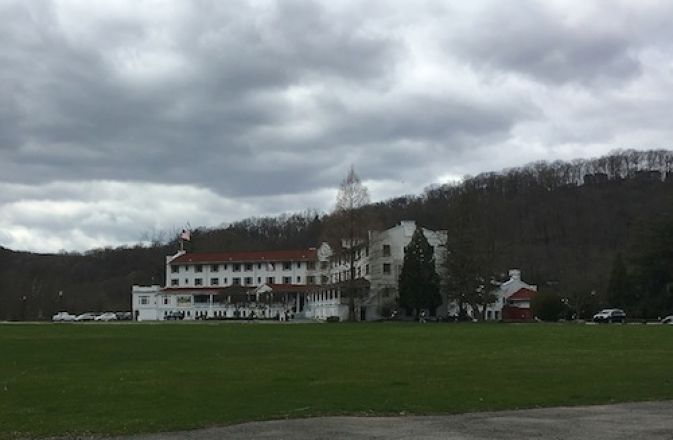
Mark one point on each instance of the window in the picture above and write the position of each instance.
(224, 267)
(259, 280)
(186, 281)
(259, 265)
(367, 251)
(298, 280)
(175, 282)
(214, 267)
(175, 269)
(386, 268)
(248, 267)
(310, 279)
(248, 281)
(214, 281)
(366, 269)
(287, 280)
(386, 250)
(270, 280)
(298, 264)
(324, 265)
(359, 271)
(287, 265)
(187, 268)
(236, 281)
(324, 279)
(198, 281)
(225, 280)
(144, 300)
(310, 265)
(237, 267)
(165, 300)
(198, 268)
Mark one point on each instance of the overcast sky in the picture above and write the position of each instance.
(120, 118)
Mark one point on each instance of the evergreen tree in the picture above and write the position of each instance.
(419, 282)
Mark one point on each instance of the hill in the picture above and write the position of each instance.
(562, 223)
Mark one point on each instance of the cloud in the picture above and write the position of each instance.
(258, 107)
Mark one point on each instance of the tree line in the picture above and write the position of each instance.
(562, 223)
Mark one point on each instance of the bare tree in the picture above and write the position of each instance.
(351, 199)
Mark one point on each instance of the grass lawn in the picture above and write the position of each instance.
(127, 378)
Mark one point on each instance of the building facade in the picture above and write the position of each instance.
(311, 283)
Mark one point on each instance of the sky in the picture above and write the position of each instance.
(123, 119)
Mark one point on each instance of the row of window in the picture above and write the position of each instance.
(246, 267)
(247, 281)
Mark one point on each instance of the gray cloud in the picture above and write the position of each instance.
(248, 108)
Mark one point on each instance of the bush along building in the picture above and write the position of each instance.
(312, 283)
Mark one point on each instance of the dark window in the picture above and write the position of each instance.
(198, 281)
(386, 268)
(198, 268)
(237, 267)
(324, 264)
(236, 281)
(214, 281)
(287, 280)
(298, 264)
(175, 282)
(310, 265)
(248, 281)
(175, 269)
(248, 267)
(310, 279)
(270, 280)
(386, 250)
(287, 265)
(214, 267)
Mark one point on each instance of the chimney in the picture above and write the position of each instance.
(515, 274)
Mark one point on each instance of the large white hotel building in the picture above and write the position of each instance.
(306, 283)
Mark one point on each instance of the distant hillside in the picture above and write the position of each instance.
(561, 223)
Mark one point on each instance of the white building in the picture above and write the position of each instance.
(262, 284)
(274, 284)
(513, 293)
(378, 264)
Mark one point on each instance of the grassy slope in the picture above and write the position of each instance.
(57, 379)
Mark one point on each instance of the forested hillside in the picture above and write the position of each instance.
(563, 224)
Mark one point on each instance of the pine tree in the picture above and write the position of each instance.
(419, 282)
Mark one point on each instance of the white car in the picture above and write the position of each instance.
(108, 316)
(667, 320)
(86, 317)
(63, 317)
(610, 315)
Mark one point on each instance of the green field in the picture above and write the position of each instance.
(125, 378)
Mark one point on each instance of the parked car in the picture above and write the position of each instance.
(667, 320)
(63, 317)
(88, 316)
(108, 316)
(175, 316)
(610, 315)
(124, 316)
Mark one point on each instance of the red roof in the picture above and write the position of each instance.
(256, 256)
(522, 294)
